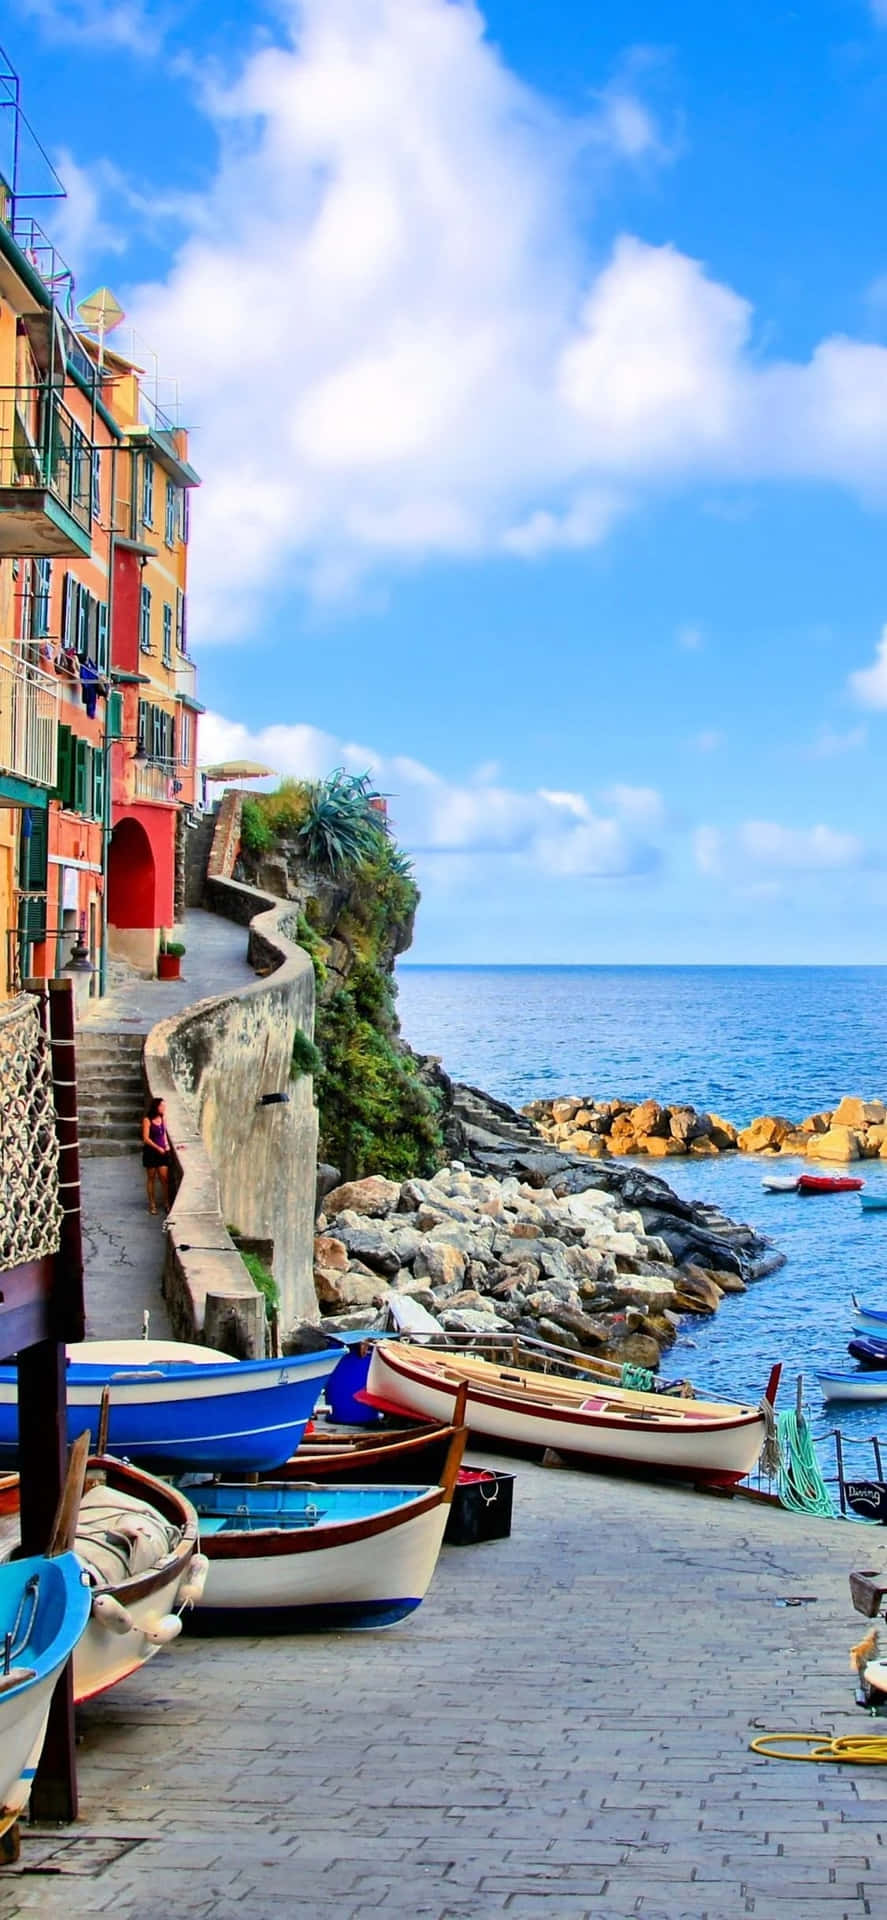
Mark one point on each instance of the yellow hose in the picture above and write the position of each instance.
(853, 1749)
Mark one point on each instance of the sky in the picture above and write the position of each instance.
(535, 362)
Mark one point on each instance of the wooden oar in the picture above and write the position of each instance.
(64, 1526)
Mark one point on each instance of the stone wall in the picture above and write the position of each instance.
(242, 1159)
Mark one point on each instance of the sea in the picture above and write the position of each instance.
(737, 1041)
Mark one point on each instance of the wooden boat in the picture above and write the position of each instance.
(245, 1415)
(781, 1182)
(136, 1539)
(385, 1456)
(869, 1350)
(44, 1610)
(873, 1202)
(858, 1388)
(869, 1319)
(284, 1557)
(813, 1183)
(711, 1442)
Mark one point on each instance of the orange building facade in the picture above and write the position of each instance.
(98, 708)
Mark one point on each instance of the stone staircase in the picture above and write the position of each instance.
(110, 1091)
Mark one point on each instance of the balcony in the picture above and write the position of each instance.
(29, 710)
(45, 484)
(154, 781)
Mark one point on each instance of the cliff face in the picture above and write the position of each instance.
(377, 1113)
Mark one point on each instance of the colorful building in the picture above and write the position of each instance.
(98, 712)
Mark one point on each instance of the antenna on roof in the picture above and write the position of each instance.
(100, 313)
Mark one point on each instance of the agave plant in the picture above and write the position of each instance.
(339, 825)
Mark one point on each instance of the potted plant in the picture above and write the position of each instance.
(169, 958)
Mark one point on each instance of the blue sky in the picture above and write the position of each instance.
(536, 363)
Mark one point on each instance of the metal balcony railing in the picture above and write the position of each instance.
(44, 257)
(154, 780)
(54, 454)
(29, 710)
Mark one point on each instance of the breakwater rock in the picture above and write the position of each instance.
(514, 1236)
(853, 1130)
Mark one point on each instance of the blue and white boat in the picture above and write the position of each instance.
(873, 1202)
(284, 1558)
(869, 1319)
(237, 1416)
(44, 1610)
(856, 1388)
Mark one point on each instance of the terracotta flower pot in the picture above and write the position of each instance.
(169, 966)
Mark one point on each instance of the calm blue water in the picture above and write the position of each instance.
(740, 1041)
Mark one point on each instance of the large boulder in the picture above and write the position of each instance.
(797, 1141)
(649, 1118)
(374, 1196)
(372, 1244)
(562, 1110)
(722, 1132)
(859, 1113)
(704, 1147)
(686, 1124)
(661, 1146)
(331, 1253)
(592, 1144)
(443, 1263)
(767, 1131)
(339, 1291)
(840, 1143)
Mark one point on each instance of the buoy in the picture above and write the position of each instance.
(109, 1613)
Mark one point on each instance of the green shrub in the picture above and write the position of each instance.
(285, 809)
(263, 1279)
(338, 825)
(306, 1057)
(310, 939)
(256, 835)
(376, 1114)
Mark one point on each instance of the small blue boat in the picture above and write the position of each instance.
(869, 1319)
(869, 1350)
(44, 1608)
(873, 1202)
(246, 1415)
(285, 1557)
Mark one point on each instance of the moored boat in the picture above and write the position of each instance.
(284, 1557)
(136, 1539)
(780, 1182)
(44, 1610)
(873, 1202)
(813, 1183)
(246, 1415)
(868, 1350)
(863, 1385)
(869, 1319)
(408, 1455)
(711, 1442)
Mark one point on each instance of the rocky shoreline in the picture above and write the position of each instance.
(855, 1129)
(517, 1235)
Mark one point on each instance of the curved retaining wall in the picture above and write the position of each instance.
(240, 1162)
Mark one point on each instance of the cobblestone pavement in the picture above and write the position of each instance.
(122, 1244)
(560, 1731)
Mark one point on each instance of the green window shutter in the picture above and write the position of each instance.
(98, 784)
(63, 775)
(156, 734)
(115, 715)
(102, 637)
(143, 741)
(81, 776)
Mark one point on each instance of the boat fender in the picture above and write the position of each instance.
(191, 1590)
(161, 1630)
(109, 1613)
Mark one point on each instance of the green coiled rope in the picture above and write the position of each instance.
(639, 1379)
(799, 1482)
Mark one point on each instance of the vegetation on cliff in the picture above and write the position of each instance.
(328, 844)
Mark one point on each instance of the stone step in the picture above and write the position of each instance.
(126, 1113)
(94, 1149)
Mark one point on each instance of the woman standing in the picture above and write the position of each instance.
(156, 1154)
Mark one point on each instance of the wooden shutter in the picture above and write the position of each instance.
(98, 784)
(115, 716)
(64, 775)
(102, 637)
(81, 776)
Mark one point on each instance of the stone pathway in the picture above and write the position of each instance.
(123, 1245)
(560, 1733)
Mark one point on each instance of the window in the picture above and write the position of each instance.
(185, 731)
(96, 485)
(172, 513)
(148, 492)
(186, 515)
(181, 622)
(167, 634)
(145, 620)
(42, 578)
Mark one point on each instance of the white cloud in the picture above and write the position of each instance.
(79, 229)
(869, 684)
(394, 342)
(559, 834)
(795, 849)
(690, 637)
(107, 23)
(829, 745)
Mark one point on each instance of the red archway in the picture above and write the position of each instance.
(132, 877)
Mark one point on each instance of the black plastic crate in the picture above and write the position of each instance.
(481, 1508)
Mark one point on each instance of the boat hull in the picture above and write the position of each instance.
(105, 1654)
(249, 1415)
(24, 1708)
(853, 1388)
(367, 1572)
(418, 1455)
(873, 1202)
(814, 1183)
(869, 1319)
(651, 1439)
(868, 1498)
(869, 1350)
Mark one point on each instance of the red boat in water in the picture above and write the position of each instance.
(828, 1183)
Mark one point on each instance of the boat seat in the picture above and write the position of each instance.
(213, 1522)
